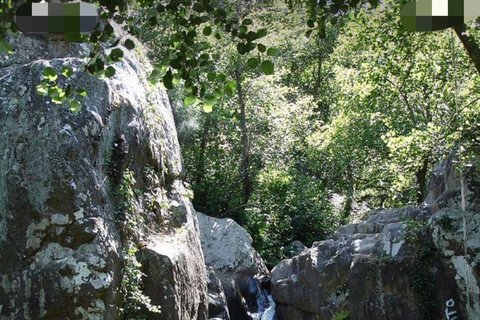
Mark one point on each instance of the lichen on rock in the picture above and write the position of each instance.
(62, 231)
(407, 263)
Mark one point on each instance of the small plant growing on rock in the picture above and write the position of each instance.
(135, 300)
(446, 223)
(344, 315)
(420, 269)
(414, 230)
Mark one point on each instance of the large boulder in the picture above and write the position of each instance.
(408, 263)
(228, 251)
(217, 302)
(92, 200)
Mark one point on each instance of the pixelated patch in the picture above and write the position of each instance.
(431, 15)
(75, 17)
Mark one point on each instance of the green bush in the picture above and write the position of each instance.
(290, 206)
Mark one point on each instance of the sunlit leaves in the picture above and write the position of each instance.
(252, 62)
(189, 100)
(58, 93)
(154, 77)
(262, 33)
(229, 91)
(67, 71)
(273, 52)
(42, 88)
(267, 67)
(50, 74)
(81, 92)
(207, 108)
(75, 106)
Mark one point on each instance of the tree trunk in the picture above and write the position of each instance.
(201, 203)
(421, 181)
(247, 183)
(470, 45)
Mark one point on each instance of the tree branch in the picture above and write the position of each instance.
(470, 45)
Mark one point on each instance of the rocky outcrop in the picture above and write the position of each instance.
(217, 302)
(408, 263)
(88, 201)
(232, 259)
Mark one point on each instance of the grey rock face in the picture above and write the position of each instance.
(406, 263)
(217, 302)
(63, 229)
(293, 249)
(228, 251)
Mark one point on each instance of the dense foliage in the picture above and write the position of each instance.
(363, 111)
(282, 106)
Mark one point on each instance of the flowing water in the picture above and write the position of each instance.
(266, 307)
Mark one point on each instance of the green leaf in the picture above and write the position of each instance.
(273, 52)
(154, 77)
(198, 7)
(211, 76)
(67, 71)
(57, 94)
(252, 63)
(251, 36)
(221, 78)
(118, 19)
(109, 72)
(267, 67)
(68, 90)
(176, 79)
(189, 100)
(75, 106)
(167, 80)
(218, 93)
(207, 108)
(81, 92)
(50, 74)
(247, 22)
(261, 33)
(116, 54)
(242, 48)
(42, 88)
(207, 31)
(261, 47)
(228, 91)
(232, 84)
(176, 63)
(129, 44)
(210, 98)
(5, 46)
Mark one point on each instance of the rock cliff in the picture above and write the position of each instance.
(408, 263)
(90, 201)
(236, 270)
